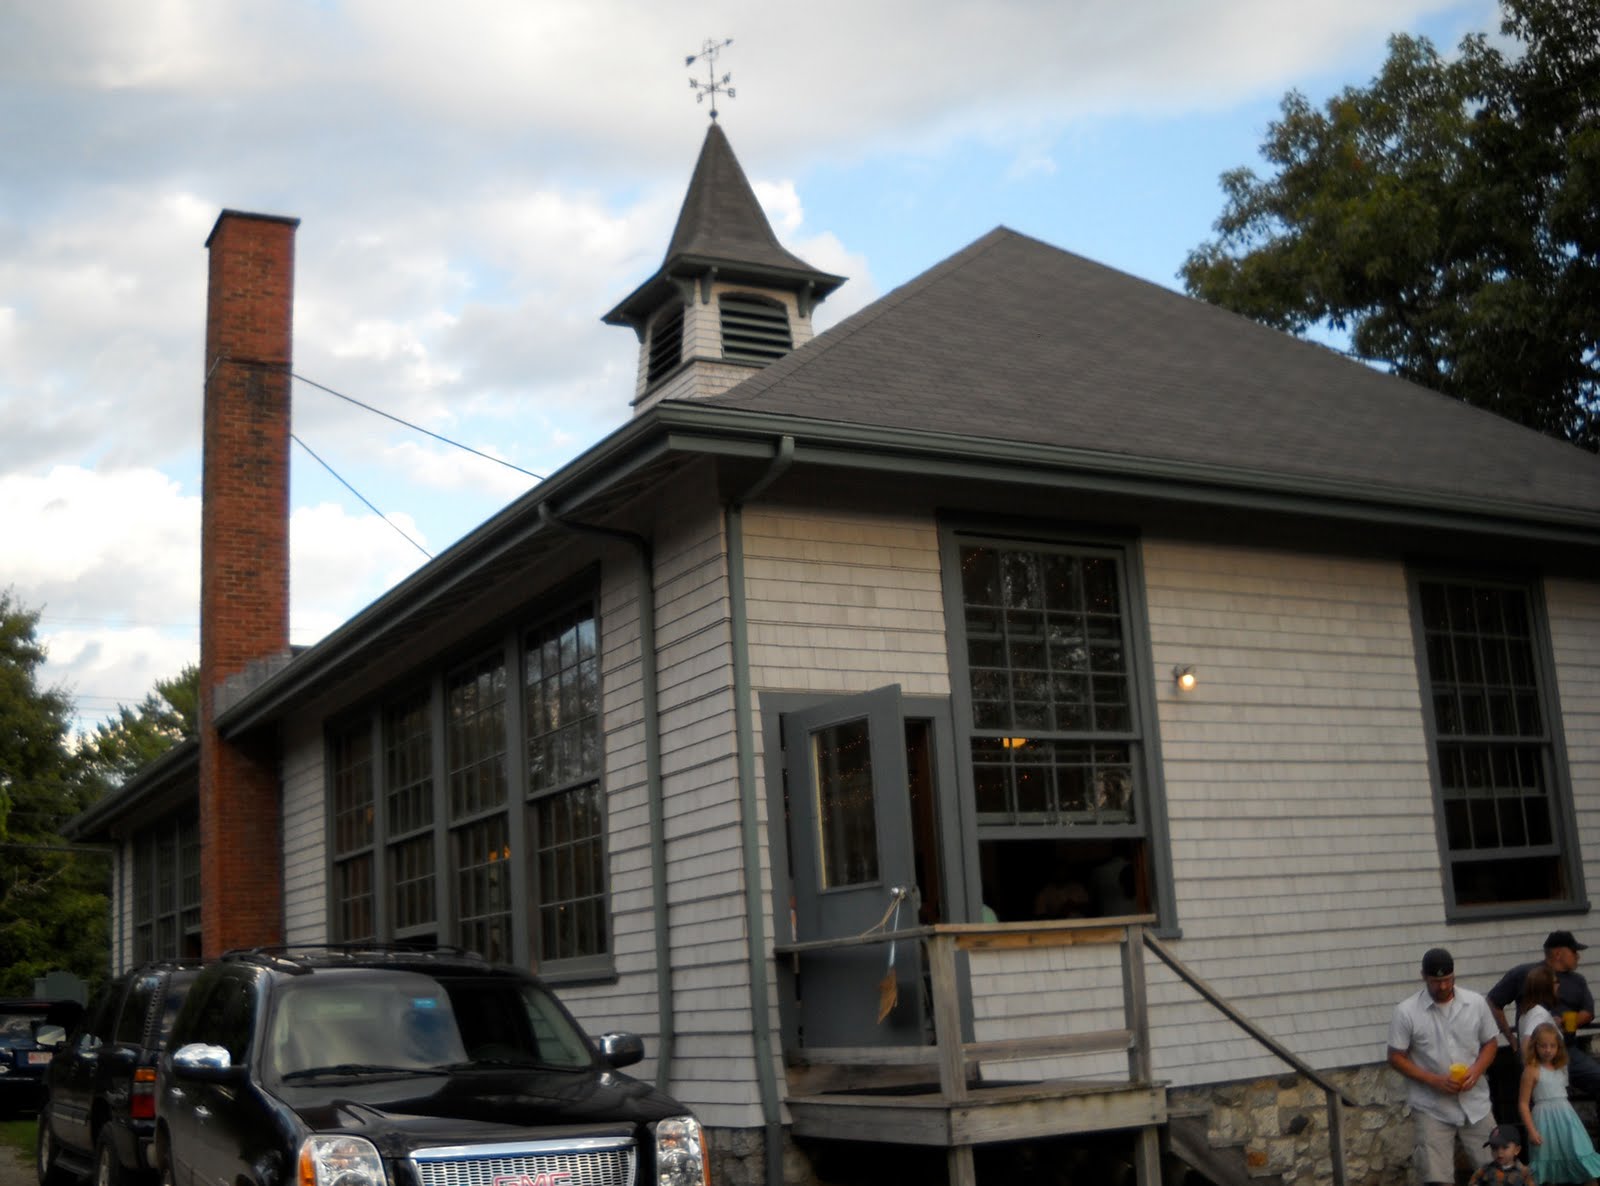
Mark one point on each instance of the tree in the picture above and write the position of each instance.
(1446, 216)
(52, 898)
(166, 716)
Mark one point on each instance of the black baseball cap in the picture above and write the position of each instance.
(1436, 961)
(1563, 939)
(1502, 1135)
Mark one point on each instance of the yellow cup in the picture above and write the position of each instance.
(1569, 1021)
(1458, 1072)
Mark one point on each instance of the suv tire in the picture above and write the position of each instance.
(107, 1165)
(44, 1159)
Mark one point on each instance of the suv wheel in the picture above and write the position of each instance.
(107, 1165)
(45, 1156)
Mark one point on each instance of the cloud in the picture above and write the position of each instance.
(477, 185)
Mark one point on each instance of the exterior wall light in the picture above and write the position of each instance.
(1185, 678)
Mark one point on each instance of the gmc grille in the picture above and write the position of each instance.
(584, 1161)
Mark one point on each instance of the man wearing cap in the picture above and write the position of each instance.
(1561, 950)
(1442, 1038)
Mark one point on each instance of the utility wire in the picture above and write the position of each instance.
(415, 427)
(359, 495)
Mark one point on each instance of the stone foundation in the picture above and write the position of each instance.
(1280, 1125)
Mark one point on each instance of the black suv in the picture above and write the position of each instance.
(331, 1067)
(100, 1092)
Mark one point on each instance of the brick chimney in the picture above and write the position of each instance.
(244, 566)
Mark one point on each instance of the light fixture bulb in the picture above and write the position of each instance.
(1185, 678)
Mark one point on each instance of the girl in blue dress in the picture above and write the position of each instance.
(1561, 1151)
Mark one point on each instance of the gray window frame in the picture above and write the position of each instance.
(1144, 742)
(504, 641)
(1563, 815)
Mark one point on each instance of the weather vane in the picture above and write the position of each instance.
(713, 85)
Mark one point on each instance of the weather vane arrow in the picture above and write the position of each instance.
(713, 85)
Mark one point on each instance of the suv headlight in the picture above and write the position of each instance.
(681, 1153)
(340, 1161)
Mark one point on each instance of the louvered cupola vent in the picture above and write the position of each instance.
(754, 330)
(666, 344)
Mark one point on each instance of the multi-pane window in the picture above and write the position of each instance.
(561, 709)
(1054, 731)
(408, 782)
(487, 807)
(475, 732)
(166, 890)
(350, 770)
(1502, 808)
(482, 861)
(480, 853)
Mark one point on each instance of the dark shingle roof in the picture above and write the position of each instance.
(1011, 339)
(721, 218)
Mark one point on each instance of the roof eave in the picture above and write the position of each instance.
(693, 427)
(169, 775)
(640, 305)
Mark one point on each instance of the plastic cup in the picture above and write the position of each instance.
(1569, 1021)
(1458, 1072)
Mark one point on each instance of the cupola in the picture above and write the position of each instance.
(727, 299)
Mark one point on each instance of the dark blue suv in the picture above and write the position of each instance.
(30, 1032)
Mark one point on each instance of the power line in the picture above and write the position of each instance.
(359, 495)
(415, 427)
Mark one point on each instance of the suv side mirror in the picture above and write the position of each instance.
(205, 1063)
(620, 1049)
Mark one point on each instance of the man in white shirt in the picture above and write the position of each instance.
(1442, 1038)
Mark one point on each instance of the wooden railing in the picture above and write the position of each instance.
(956, 1060)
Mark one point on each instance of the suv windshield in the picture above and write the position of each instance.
(409, 1021)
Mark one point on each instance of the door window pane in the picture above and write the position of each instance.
(846, 815)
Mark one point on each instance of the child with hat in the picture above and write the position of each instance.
(1503, 1169)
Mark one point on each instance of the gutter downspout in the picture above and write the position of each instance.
(649, 682)
(749, 831)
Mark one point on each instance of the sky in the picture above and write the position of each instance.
(477, 183)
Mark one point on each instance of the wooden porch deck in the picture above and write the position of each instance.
(934, 1096)
(944, 1094)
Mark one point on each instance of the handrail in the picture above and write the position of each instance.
(1198, 983)
(1334, 1095)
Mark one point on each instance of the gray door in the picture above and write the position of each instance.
(850, 847)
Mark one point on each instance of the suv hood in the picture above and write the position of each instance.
(473, 1106)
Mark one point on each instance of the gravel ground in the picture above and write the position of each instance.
(16, 1169)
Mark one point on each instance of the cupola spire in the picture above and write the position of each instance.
(728, 297)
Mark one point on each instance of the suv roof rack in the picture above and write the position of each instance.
(303, 957)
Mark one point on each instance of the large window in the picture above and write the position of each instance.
(1055, 732)
(166, 890)
(479, 849)
(350, 764)
(561, 704)
(1504, 813)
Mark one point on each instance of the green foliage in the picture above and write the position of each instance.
(168, 715)
(52, 899)
(1446, 216)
